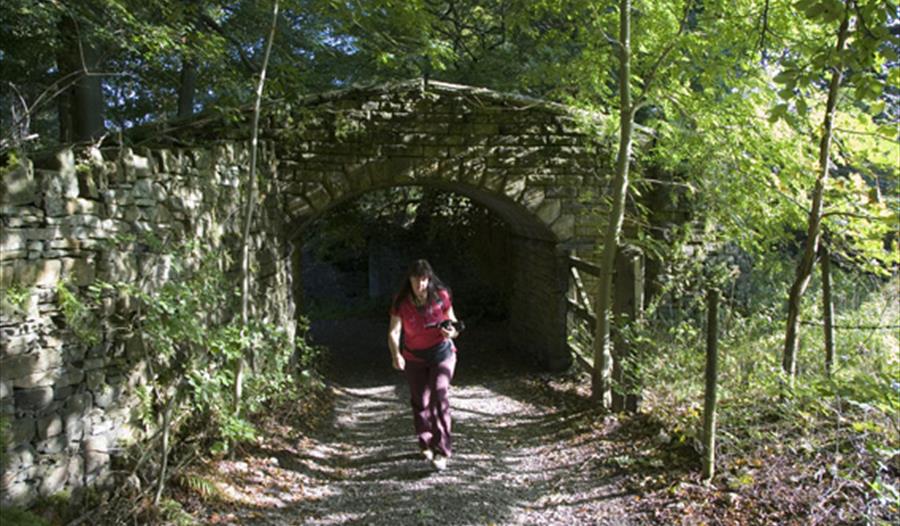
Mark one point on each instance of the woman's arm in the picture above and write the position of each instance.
(394, 343)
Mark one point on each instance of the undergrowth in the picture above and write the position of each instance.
(827, 446)
(183, 337)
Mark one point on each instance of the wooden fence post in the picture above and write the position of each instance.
(709, 406)
(827, 306)
(628, 303)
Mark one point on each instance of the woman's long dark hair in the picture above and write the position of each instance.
(419, 268)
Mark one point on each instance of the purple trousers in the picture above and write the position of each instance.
(429, 387)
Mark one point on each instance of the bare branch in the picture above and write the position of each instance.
(840, 213)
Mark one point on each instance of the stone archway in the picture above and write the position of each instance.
(526, 160)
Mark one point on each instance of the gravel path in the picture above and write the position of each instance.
(525, 452)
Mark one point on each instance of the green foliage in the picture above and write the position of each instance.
(20, 517)
(190, 339)
(202, 486)
(191, 342)
(850, 413)
(80, 316)
(14, 299)
(172, 512)
(12, 162)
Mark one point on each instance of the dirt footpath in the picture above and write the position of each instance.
(526, 451)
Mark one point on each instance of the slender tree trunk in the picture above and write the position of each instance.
(827, 306)
(164, 464)
(84, 100)
(602, 375)
(187, 87)
(248, 216)
(814, 222)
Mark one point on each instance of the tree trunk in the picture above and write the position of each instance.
(248, 216)
(83, 102)
(187, 87)
(814, 222)
(601, 378)
(627, 307)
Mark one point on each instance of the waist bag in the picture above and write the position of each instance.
(435, 354)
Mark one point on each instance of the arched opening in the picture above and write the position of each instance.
(500, 262)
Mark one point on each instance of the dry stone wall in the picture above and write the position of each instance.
(77, 217)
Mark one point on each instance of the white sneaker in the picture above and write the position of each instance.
(439, 462)
(428, 454)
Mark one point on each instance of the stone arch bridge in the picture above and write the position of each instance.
(531, 162)
(78, 215)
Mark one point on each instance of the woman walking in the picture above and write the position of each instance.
(422, 329)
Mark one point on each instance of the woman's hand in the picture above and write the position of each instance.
(450, 332)
(399, 361)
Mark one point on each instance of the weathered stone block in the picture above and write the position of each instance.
(105, 396)
(53, 473)
(70, 376)
(30, 273)
(16, 366)
(51, 446)
(20, 458)
(78, 271)
(88, 186)
(117, 266)
(12, 239)
(549, 210)
(17, 492)
(22, 430)
(134, 347)
(61, 181)
(37, 379)
(317, 196)
(76, 471)
(11, 345)
(19, 184)
(49, 426)
(564, 226)
(33, 399)
(76, 425)
(134, 166)
(96, 454)
(94, 379)
(62, 392)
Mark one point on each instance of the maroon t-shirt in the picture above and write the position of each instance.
(421, 325)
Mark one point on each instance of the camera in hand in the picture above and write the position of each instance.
(448, 324)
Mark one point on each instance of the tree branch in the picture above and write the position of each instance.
(764, 23)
